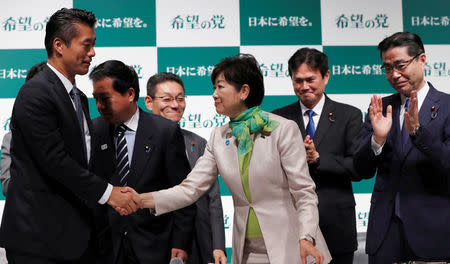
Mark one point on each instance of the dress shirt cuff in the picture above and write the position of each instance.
(106, 194)
(375, 147)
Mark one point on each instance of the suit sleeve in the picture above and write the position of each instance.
(436, 148)
(199, 180)
(178, 167)
(5, 162)
(36, 115)
(341, 164)
(301, 186)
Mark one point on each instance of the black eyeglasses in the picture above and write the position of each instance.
(399, 66)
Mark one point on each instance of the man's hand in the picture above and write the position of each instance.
(307, 249)
(176, 252)
(219, 256)
(311, 152)
(412, 116)
(381, 124)
(125, 200)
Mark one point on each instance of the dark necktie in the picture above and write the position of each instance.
(404, 138)
(405, 134)
(75, 95)
(310, 129)
(123, 169)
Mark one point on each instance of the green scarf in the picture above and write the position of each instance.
(251, 121)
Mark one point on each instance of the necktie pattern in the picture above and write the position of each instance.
(123, 168)
(310, 128)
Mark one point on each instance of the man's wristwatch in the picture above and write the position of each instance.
(417, 131)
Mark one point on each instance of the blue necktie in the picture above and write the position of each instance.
(123, 169)
(310, 129)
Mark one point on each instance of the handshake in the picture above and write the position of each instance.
(126, 200)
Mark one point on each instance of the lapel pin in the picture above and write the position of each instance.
(147, 149)
(104, 146)
(433, 112)
(227, 142)
(331, 117)
(192, 146)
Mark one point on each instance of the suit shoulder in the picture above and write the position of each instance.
(346, 107)
(286, 109)
(193, 136)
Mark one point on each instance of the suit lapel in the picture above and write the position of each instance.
(325, 121)
(143, 148)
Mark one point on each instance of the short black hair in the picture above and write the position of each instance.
(124, 76)
(239, 70)
(63, 24)
(161, 78)
(313, 58)
(402, 39)
(35, 69)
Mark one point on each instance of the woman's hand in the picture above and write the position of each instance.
(219, 256)
(308, 249)
(147, 200)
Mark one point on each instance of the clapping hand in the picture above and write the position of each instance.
(381, 124)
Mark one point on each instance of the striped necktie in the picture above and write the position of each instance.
(123, 168)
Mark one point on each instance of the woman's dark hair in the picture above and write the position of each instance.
(239, 70)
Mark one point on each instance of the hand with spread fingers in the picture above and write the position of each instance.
(381, 124)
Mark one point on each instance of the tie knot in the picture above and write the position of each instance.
(74, 92)
(407, 104)
(121, 129)
(310, 113)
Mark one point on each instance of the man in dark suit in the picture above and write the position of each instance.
(47, 218)
(145, 152)
(166, 97)
(330, 131)
(406, 141)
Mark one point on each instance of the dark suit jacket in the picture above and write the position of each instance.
(421, 175)
(46, 213)
(336, 139)
(209, 226)
(158, 162)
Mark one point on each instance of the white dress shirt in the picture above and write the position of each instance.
(317, 112)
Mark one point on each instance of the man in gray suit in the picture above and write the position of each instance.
(166, 97)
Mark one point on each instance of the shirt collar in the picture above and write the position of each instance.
(317, 109)
(67, 84)
(133, 122)
(421, 94)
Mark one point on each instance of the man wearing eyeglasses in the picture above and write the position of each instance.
(166, 97)
(406, 141)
